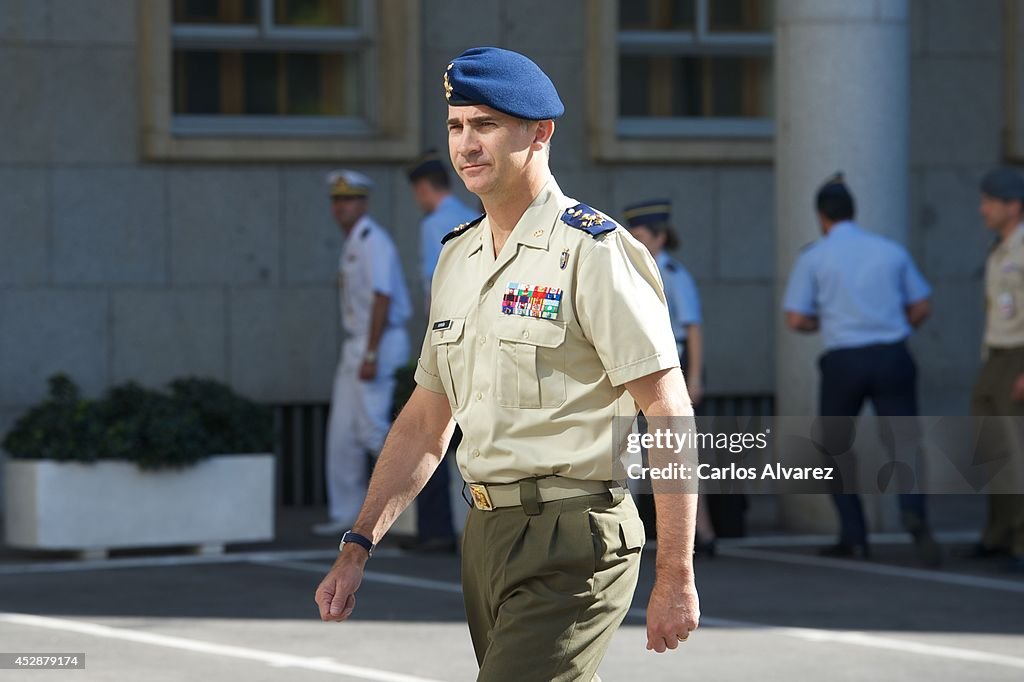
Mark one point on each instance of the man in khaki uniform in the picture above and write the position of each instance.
(999, 390)
(547, 322)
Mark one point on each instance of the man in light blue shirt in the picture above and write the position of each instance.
(444, 211)
(431, 188)
(866, 296)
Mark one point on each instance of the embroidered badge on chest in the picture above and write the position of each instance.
(528, 300)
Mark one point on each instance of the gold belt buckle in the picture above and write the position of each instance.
(481, 498)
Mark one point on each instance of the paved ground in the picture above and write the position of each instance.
(772, 611)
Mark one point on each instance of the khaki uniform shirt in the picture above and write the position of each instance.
(1004, 293)
(536, 396)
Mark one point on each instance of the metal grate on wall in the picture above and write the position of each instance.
(301, 433)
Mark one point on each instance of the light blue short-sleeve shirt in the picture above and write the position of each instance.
(681, 295)
(858, 285)
(448, 215)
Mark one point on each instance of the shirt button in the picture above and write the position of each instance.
(483, 340)
(526, 335)
(476, 453)
(479, 396)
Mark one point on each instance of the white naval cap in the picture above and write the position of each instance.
(348, 183)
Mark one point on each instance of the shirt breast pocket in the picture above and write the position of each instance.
(1012, 277)
(451, 363)
(531, 362)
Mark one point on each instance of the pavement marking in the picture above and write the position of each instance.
(280, 660)
(182, 560)
(863, 639)
(943, 537)
(374, 577)
(960, 579)
(806, 634)
(393, 553)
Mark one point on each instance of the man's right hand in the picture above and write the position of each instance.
(336, 595)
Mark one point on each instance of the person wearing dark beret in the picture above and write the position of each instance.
(999, 388)
(650, 223)
(548, 327)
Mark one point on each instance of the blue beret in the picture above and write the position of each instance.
(503, 80)
(648, 213)
(1003, 183)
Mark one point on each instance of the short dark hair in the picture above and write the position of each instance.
(437, 178)
(657, 227)
(835, 202)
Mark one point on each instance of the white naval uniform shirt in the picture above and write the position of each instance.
(369, 264)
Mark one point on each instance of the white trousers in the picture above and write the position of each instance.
(359, 420)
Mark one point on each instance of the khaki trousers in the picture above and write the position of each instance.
(992, 397)
(545, 593)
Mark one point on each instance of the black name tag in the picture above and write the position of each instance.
(443, 324)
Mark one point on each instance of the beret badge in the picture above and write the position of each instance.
(447, 83)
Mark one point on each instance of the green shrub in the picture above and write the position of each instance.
(230, 423)
(63, 427)
(155, 430)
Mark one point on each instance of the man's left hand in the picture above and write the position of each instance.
(368, 370)
(1018, 388)
(672, 613)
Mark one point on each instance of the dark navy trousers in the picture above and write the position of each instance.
(433, 504)
(886, 375)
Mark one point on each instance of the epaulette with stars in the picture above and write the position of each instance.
(588, 219)
(462, 228)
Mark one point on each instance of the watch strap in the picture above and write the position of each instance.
(357, 539)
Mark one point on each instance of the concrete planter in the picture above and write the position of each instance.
(98, 506)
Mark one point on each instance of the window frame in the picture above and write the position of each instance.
(390, 130)
(644, 139)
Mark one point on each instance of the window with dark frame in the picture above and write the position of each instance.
(695, 67)
(271, 66)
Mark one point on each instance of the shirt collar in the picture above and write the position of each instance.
(364, 222)
(1017, 236)
(444, 204)
(842, 227)
(534, 226)
(1013, 239)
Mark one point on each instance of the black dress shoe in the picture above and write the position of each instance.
(983, 551)
(928, 551)
(843, 550)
